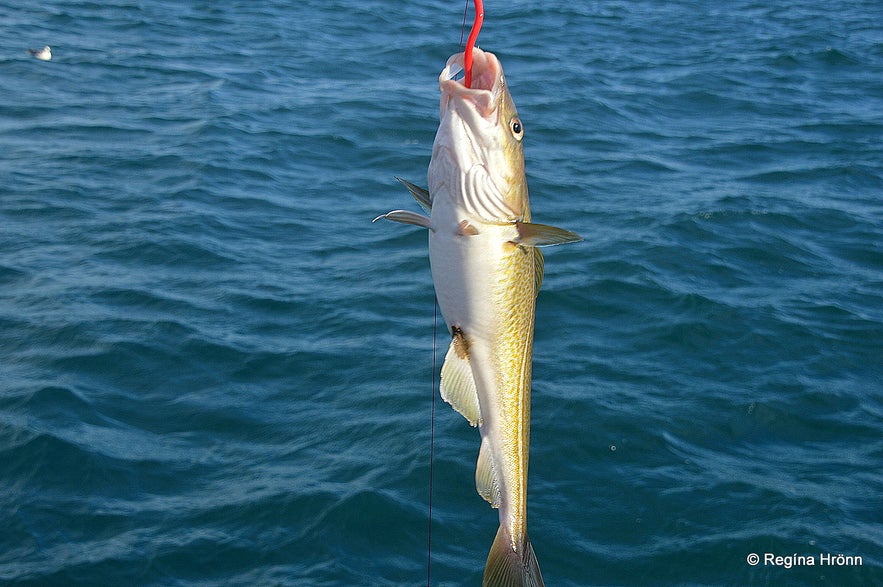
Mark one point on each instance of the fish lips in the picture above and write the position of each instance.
(484, 95)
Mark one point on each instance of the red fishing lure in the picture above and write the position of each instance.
(470, 42)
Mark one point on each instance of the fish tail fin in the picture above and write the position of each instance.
(510, 567)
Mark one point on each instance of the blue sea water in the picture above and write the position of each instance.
(214, 370)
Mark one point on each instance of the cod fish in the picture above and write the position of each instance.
(487, 271)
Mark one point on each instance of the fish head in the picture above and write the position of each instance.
(478, 154)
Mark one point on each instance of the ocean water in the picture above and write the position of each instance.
(215, 370)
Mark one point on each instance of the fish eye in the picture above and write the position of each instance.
(516, 128)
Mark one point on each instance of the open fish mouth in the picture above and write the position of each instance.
(487, 84)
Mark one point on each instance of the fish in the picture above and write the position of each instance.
(487, 270)
(44, 54)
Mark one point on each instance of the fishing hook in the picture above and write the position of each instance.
(470, 42)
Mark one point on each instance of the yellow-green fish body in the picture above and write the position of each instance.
(487, 271)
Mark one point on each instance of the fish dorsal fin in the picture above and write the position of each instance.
(420, 194)
(485, 477)
(457, 382)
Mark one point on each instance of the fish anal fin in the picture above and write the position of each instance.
(485, 477)
(542, 235)
(457, 384)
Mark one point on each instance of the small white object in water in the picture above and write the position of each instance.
(44, 54)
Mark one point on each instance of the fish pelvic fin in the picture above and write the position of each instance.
(405, 217)
(420, 194)
(511, 567)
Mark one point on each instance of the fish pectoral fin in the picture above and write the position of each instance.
(543, 235)
(420, 194)
(405, 217)
(465, 228)
(485, 477)
(457, 384)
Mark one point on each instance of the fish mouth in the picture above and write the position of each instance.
(487, 85)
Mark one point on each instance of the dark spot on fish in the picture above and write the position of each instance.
(461, 346)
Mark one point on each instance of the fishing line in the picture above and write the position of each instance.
(431, 437)
(473, 35)
(463, 26)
